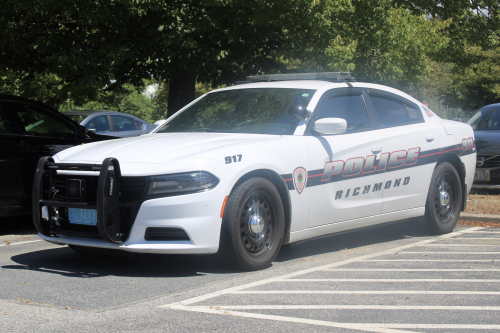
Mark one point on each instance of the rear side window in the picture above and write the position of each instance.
(486, 120)
(99, 123)
(394, 111)
(140, 126)
(123, 124)
(350, 107)
(413, 113)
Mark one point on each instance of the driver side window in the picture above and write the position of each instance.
(37, 122)
(350, 107)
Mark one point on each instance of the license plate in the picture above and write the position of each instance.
(82, 216)
(482, 174)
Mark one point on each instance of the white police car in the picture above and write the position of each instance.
(245, 169)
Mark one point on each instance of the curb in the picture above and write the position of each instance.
(480, 217)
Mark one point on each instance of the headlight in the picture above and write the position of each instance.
(182, 182)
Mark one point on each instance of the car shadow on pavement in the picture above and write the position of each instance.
(98, 263)
(354, 238)
(66, 262)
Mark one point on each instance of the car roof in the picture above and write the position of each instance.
(5, 97)
(496, 105)
(319, 85)
(87, 112)
(298, 84)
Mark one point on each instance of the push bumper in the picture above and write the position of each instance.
(196, 214)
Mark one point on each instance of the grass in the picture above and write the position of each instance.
(483, 204)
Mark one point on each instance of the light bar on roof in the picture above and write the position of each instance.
(325, 76)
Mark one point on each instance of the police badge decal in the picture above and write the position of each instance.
(300, 179)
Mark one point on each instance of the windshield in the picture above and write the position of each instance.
(486, 120)
(254, 111)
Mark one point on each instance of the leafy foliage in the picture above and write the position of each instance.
(88, 51)
(128, 99)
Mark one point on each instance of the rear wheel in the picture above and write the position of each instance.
(253, 225)
(444, 199)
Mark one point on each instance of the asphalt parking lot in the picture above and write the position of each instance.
(391, 278)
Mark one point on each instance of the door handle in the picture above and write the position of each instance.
(376, 149)
(429, 137)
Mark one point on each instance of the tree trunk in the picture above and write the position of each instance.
(181, 90)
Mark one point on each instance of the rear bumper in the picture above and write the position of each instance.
(486, 186)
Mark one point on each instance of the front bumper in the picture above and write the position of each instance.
(196, 214)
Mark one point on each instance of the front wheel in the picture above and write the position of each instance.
(444, 199)
(253, 225)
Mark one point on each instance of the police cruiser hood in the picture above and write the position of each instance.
(157, 148)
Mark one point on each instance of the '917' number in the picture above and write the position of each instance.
(233, 159)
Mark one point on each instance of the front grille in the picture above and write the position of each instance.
(131, 188)
(488, 161)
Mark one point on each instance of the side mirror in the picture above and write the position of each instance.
(80, 131)
(299, 111)
(159, 122)
(91, 130)
(330, 126)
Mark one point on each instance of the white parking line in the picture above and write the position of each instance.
(390, 280)
(357, 307)
(20, 243)
(440, 252)
(188, 304)
(318, 268)
(476, 238)
(350, 326)
(411, 270)
(463, 245)
(367, 292)
(434, 260)
(372, 327)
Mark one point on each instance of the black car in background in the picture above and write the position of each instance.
(486, 125)
(29, 130)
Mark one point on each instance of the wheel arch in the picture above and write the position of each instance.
(459, 166)
(282, 188)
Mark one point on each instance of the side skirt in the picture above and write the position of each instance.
(355, 224)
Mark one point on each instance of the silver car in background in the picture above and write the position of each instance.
(111, 123)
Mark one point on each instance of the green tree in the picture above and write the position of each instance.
(466, 71)
(127, 99)
(375, 40)
(90, 43)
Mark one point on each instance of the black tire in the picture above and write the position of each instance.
(444, 199)
(253, 225)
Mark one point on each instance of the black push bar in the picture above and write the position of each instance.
(45, 207)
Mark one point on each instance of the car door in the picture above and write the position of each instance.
(406, 137)
(37, 132)
(124, 126)
(15, 182)
(347, 170)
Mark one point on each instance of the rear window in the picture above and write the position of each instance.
(487, 119)
(393, 110)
